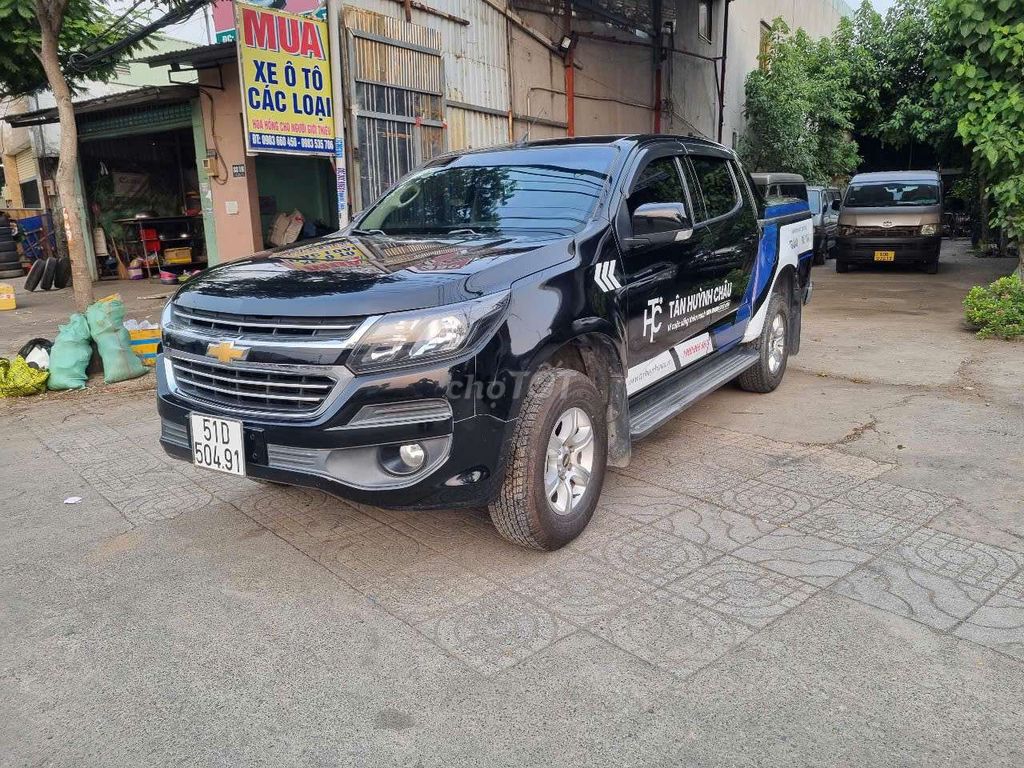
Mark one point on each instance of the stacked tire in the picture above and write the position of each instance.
(49, 273)
(10, 264)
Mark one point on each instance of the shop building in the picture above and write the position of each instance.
(422, 77)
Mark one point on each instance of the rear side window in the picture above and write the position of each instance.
(717, 185)
(659, 182)
(791, 191)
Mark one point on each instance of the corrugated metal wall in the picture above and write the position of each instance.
(469, 129)
(475, 65)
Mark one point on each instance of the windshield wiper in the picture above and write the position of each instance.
(368, 232)
(463, 231)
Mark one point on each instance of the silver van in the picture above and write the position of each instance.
(894, 216)
(780, 185)
(824, 203)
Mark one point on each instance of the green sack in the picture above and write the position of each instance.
(70, 354)
(106, 322)
(19, 379)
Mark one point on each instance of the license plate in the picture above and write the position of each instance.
(885, 255)
(217, 444)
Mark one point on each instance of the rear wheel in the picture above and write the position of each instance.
(554, 474)
(842, 266)
(773, 349)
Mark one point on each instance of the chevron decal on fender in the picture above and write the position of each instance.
(605, 278)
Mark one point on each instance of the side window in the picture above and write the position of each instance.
(659, 182)
(716, 184)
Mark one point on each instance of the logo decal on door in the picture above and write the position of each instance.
(605, 278)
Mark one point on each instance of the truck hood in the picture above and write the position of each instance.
(909, 216)
(343, 275)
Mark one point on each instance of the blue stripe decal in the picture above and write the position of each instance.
(767, 258)
(786, 209)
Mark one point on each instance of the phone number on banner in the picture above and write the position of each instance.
(290, 143)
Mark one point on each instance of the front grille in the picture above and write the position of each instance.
(263, 390)
(266, 326)
(907, 231)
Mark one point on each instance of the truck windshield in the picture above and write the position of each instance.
(550, 190)
(892, 193)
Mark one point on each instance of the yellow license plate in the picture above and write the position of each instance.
(885, 255)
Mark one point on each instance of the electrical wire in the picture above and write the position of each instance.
(213, 134)
(83, 62)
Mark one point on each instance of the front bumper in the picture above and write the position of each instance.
(331, 454)
(907, 250)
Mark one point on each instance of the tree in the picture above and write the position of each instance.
(798, 107)
(978, 77)
(59, 44)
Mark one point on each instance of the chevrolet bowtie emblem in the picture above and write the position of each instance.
(226, 351)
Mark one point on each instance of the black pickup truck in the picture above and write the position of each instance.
(497, 329)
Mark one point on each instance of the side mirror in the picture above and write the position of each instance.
(659, 223)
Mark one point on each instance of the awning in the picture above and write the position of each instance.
(151, 95)
(203, 57)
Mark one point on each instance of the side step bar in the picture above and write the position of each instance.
(653, 407)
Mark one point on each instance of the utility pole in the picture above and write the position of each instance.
(340, 167)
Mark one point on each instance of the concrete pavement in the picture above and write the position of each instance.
(831, 574)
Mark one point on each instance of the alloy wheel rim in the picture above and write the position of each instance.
(569, 461)
(777, 344)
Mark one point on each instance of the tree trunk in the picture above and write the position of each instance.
(50, 17)
(983, 210)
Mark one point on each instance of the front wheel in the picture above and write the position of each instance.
(772, 347)
(554, 474)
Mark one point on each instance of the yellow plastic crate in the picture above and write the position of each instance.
(144, 344)
(177, 256)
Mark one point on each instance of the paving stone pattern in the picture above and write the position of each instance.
(707, 538)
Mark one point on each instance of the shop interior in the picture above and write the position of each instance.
(298, 197)
(142, 193)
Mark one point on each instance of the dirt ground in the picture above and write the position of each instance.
(832, 574)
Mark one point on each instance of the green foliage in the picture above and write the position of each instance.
(894, 77)
(799, 107)
(980, 72)
(997, 310)
(86, 28)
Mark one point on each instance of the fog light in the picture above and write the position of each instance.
(403, 459)
(412, 455)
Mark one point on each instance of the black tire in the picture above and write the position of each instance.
(9, 258)
(761, 377)
(842, 266)
(521, 510)
(7, 266)
(8, 248)
(932, 267)
(819, 256)
(49, 270)
(35, 274)
(63, 274)
(5, 273)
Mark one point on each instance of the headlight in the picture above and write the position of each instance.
(408, 338)
(929, 229)
(845, 230)
(166, 317)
